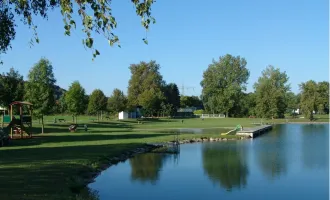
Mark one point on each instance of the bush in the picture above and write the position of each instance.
(198, 112)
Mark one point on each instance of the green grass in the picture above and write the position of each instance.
(47, 166)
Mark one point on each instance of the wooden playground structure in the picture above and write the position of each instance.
(19, 126)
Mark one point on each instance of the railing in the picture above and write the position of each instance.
(211, 115)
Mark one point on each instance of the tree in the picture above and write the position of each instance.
(172, 99)
(291, 100)
(95, 16)
(62, 104)
(12, 87)
(271, 90)
(323, 100)
(75, 99)
(117, 102)
(145, 87)
(309, 98)
(190, 101)
(97, 102)
(223, 82)
(39, 89)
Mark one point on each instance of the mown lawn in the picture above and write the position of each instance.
(43, 167)
(47, 166)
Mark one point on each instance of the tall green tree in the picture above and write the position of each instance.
(145, 87)
(12, 87)
(190, 101)
(223, 82)
(271, 90)
(117, 102)
(39, 89)
(75, 99)
(172, 99)
(323, 100)
(95, 17)
(97, 103)
(309, 98)
(61, 104)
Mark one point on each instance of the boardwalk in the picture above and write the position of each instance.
(255, 131)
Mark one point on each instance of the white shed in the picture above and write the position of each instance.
(123, 115)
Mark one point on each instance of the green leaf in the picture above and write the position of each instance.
(89, 42)
(72, 22)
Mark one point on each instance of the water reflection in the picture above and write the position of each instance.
(271, 152)
(315, 146)
(146, 167)
(225, 164)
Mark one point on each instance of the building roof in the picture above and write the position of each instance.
(21, 103)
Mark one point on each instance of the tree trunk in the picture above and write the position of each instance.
(72, 118)
(76, 119)
(226, 114)
(42, 124)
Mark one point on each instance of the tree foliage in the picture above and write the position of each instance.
(271, 90)
(309, 98)
(39, 89)
(95, 16)
(145, 87)
(190, 101)
(117, 102)
(75, 99)
(11, 87)
(97, 102)
(323, 100)
(223, 82)
(172, 99)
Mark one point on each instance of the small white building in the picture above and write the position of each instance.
(123, 115)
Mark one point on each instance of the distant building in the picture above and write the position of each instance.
(123, 115)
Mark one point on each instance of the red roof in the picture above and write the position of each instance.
(21, 103)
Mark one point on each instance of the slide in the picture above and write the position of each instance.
(237, 128)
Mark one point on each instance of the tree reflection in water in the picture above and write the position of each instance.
(146, 167)
(225, 164)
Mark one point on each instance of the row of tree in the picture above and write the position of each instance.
(224, 85)
(146, 89)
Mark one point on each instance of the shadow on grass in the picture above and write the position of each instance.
(46, 173)
(88, 137)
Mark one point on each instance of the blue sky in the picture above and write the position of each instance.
(290, 35)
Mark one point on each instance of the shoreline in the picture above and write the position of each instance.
(81, 182)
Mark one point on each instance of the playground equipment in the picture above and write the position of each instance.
(237, 128)
(3, 111)
(19, 125)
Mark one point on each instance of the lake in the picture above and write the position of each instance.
(289, 162)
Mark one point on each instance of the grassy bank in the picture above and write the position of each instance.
(48, 166)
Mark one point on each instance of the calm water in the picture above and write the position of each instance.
(290, 162)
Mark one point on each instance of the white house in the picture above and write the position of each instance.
(123, 115)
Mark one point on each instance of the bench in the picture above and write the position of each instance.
(61, 120)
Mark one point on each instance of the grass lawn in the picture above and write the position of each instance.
(43, 167)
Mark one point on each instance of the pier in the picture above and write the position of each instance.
(255, 131)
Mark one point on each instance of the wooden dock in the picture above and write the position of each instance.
(254, 132)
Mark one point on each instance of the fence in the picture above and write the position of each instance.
(211, 115)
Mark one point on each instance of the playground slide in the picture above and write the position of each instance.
(237, 128)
